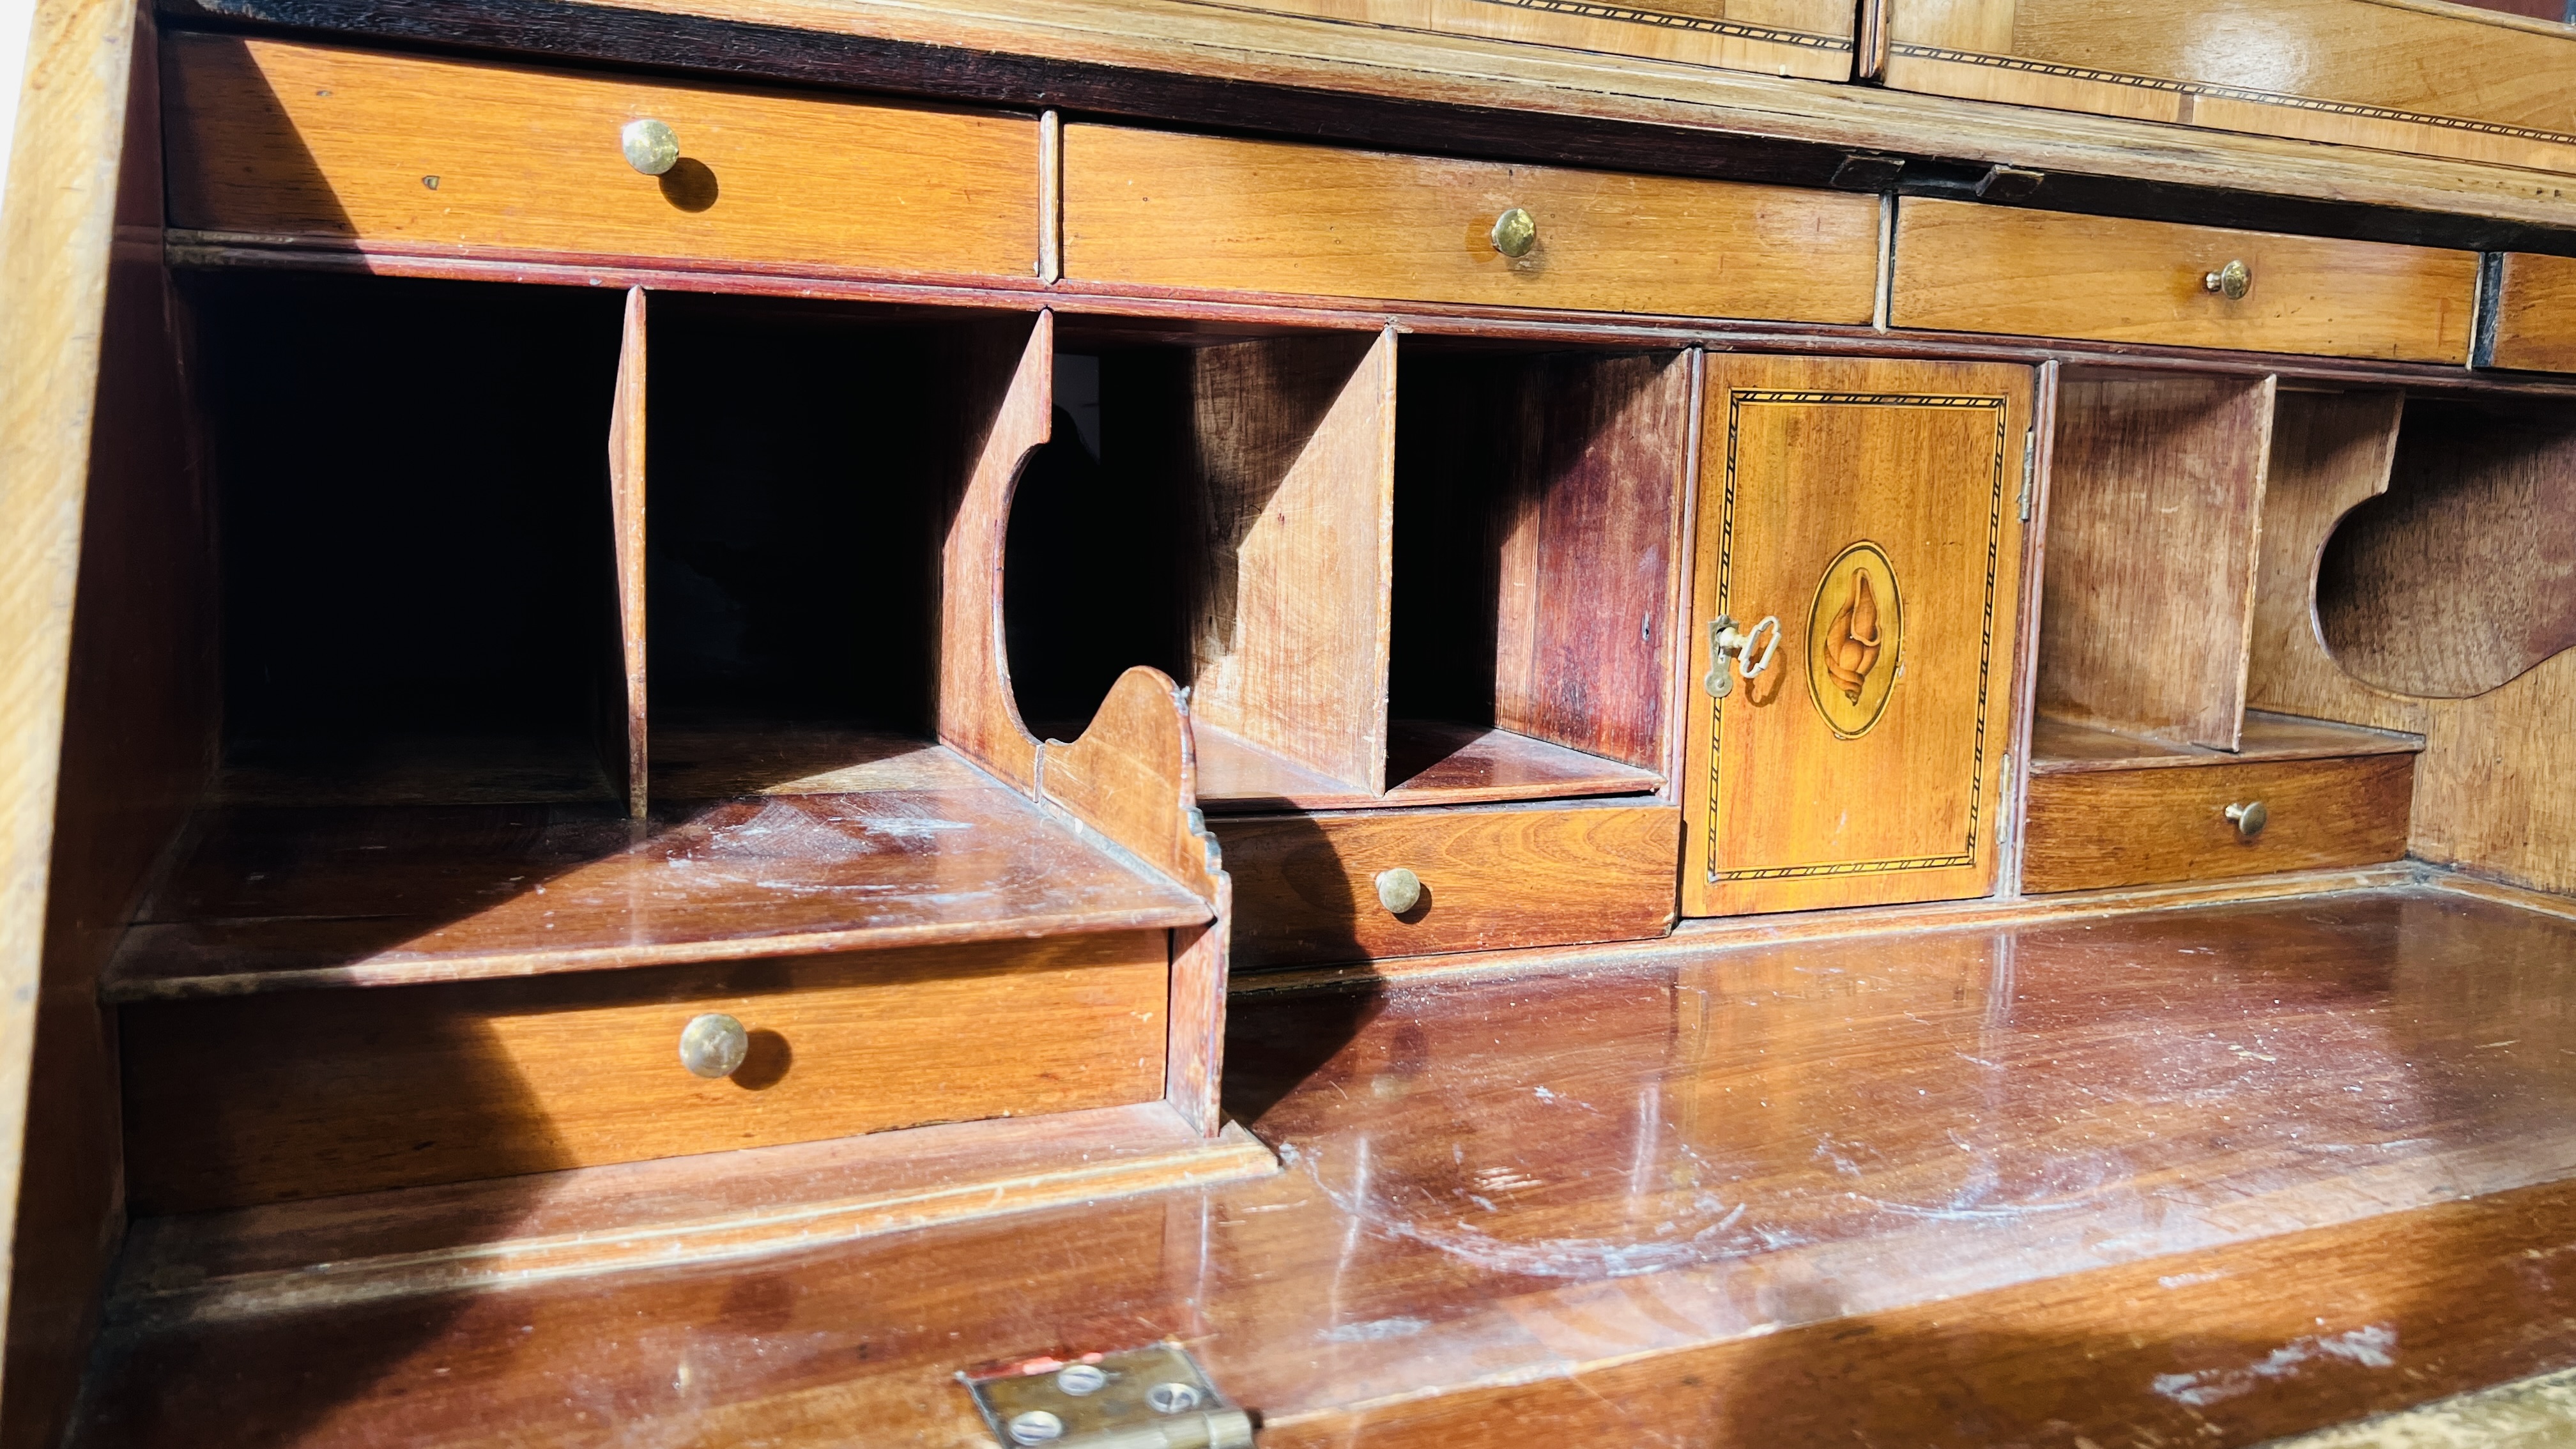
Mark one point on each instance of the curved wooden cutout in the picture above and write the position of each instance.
(1133, 777)
(2462, 576)
(1006, 407)
(626, 429)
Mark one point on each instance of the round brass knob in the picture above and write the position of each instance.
(2250, 818)
(650, 146)
(1515, 232)
(1399, 890)
(714, 1045)
(2232, 281)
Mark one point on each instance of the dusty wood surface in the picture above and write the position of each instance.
(1967, 268)
(2330, 453)
(1305, 885)
(2036, 1182)
(2154, 506)
(1153, 208)
(2099, 829)
(2427, 78)
(273, 138)
(2532, 300)
(261, 898)
(2463, 574)
(362, 1090)
(1871, 508)
(2061, 747)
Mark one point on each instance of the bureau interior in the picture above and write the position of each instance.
(797, 458)
(411, 532)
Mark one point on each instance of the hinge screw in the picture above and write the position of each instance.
(1037, 1426)
(1081, 1378)
(1172, 1398)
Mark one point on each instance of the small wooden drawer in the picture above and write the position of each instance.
(405, 153)
(1305, 886)
(2095, 829)
(250, 1099)
(1157, 209)
(2535, 314)
(1965, 267)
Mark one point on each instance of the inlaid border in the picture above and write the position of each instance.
(1737, 399)
(2353, 109)
(1733, 29)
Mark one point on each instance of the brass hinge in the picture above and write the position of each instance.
(1155, 1397)
(2029, 467)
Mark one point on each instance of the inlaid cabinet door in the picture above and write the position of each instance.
(1859, 530)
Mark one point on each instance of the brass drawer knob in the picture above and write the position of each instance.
(1515, 232)
(2232, 281)
(651, 146)
(2250, 818)
(714, 1045)
(1399, 890)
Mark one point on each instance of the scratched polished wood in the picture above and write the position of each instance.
(2214, 1175)
(376, 896)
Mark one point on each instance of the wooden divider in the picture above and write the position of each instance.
(1292, 475)
(1003, 408)
(2148, 603)
(626, 438)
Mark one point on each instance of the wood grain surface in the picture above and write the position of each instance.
(1003, 409)
(1305, 885)
(414, 153)
(353, 1091)
(260, 898)
(1429, 762)
(630, 757)
(1799, 796)
(2532, 330)
(2051, 1177)
(2098, 829)
(1963, 267)
(748, 1201)
(2060, 747)
(2432, 79)
(2155, 504)
(2496, 793)
(1159, 209)
(1291, 485)
(2330, 453)
(1538, 504)
(1811, 38)
(2463, 574)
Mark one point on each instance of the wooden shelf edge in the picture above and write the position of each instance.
(117, 990)
(511, 1232)
(1705, 936)
(2267, 738)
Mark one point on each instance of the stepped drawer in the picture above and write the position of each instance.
(248, 1099)
(406, 153)
(1358, 885)
(1964, 267)
(2090, 830)
(1156, 209)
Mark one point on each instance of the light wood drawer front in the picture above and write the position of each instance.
(2090, 830)
(2535, 321)
(308, 1094)
(404, 153)
(1964, 267)
(1305, 886)
(1156, 209)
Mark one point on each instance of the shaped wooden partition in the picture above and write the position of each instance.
(2147, 607)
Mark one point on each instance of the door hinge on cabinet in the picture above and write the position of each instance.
(1155, 1397)
(2029, 467)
